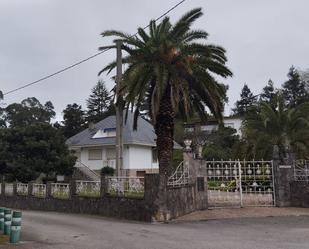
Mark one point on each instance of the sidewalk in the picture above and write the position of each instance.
(248, 212)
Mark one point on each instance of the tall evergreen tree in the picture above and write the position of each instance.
(247, 101)
(2, 119)
(269, 94)
(73, 120)
(99, 103)
(294, 89)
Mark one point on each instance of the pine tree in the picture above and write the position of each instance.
(294, 89)
(73, 120)
(269, 94)
(99, 103)
(2, 119)
(246, 103)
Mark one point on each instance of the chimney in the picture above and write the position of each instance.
(91, 126)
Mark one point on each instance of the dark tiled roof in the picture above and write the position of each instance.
(144, 134)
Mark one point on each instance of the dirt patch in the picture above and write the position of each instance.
(230, 213)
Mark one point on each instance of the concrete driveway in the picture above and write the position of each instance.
(63, 231)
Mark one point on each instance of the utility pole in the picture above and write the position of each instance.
(119, 112)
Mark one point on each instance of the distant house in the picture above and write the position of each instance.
(212, 125)
(95, 147)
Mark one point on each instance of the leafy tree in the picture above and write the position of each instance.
(26, 152)
(246, 103)
(29, 111)
(73, 120)
(172, 72)
(220, 144)
(99, 103)
(294, 89)
(287, 127)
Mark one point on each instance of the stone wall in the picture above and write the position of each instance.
(156, 205)
(126, 208)
(300, 194)
(176, 201)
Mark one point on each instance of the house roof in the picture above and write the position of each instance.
(144, 135)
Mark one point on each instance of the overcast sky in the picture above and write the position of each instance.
(263, 39)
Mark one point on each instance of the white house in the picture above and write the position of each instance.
(95, 146)
(212, 125)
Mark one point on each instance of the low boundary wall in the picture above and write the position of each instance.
(120, 207)
(300, 194)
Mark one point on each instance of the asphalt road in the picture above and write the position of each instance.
(67, 231)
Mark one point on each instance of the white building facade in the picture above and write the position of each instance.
(95, 147)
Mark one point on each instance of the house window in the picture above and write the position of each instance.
(107, 132)
(154, 155)
(110, 132)
(95, 154)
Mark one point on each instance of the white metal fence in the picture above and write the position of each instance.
(301, 170)
(9, 188)
(22, 189)
(60, 190)
(39, 190)
(240, 183)
(181, 175)
(88, 188)
(126, 186)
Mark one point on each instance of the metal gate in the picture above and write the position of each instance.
(240, 183)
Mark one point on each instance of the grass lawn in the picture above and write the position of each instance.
(4, 239)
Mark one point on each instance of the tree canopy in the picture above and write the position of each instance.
(73, 120)
(247, 101)
(287, 127)
(99, 103)
(294, 89)
(26, 152)
(171, 68)
(29, 111)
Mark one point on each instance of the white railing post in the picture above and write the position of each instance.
(240, 184)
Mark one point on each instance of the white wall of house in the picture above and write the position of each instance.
(140, 157)
(234, 123)
(134, 157)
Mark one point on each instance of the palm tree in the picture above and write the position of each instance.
(286, 127)
(171, 72)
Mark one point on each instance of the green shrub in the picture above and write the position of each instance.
(107, 171)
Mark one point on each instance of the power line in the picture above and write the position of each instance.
(84, 60)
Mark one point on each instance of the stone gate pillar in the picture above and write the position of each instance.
(283, 175)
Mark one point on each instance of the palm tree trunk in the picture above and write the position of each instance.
(164, 129)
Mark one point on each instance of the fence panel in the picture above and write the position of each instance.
(39, 190)
(301, 170)
(126, 186)
(60, 190)
(88, 188)
(22, 189)
(9, 187)
(240, 183)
